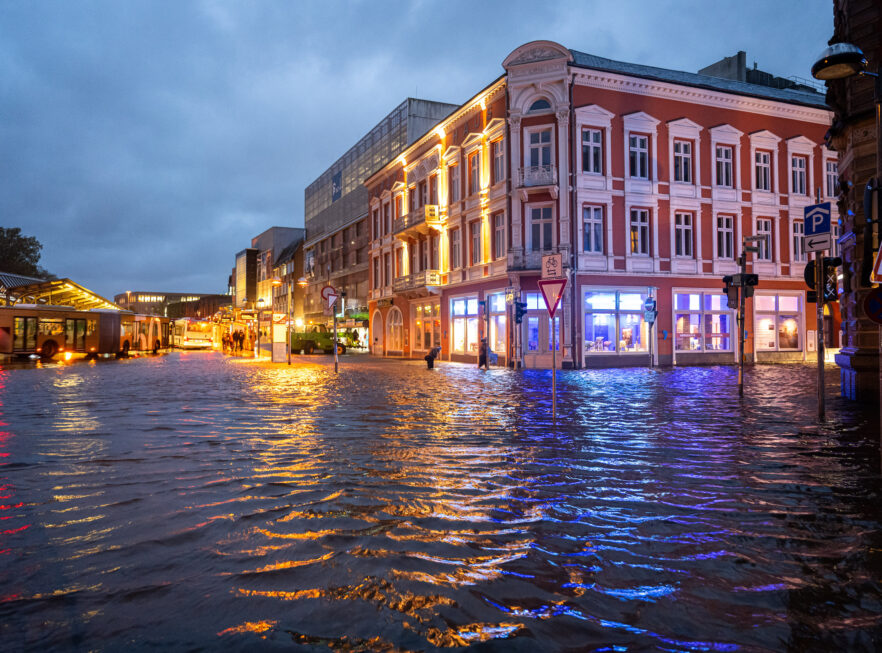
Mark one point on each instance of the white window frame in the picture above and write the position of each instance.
(638, 151)
(760, 314)
(798, 178)
(684, 235)
(593, 147)
(472, 312)
(727, 233)
(724, 165)
(703, 312)
(616, 314)
(762, 171)
(592, 215)
(643, 225)
(455, 182)
(766, 247)
(455, 248)
(831, 178)
(497, 148)
(798, 241)
(682, 161)
(499, 249)
(539, 147)
(476, 254)
(543, 246)
(474, 162)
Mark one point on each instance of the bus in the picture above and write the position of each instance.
(47, 330)
(192, 333)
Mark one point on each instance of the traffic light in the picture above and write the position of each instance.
(731, 291)
(831, 283)
(520, 311)
(749, 281)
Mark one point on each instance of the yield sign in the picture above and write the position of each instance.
(552, 291)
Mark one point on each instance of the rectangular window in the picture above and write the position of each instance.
(540, 229)
(763, 171)
(455, 249)
(798, 240)
(499, 235)
(423, 194)
(683, 235)
(497, 322)
(433, 189)
(540, 148)
(797, 175)
(498, 161)
(592, 229)
(725, 237)
(638, 157)
(592, 151)
(764, 228)
(831, 178)
(475, 239)
(412, 198)
(724, 166)
(703, 322)
(683, 162)
(464, 316)
(387, 270)
(778, 319)
(454, 183)
(614, 321)
(474, 172)
(398, 205)
(533, 333)
(375, 221)
(640, 232)
(399, 262)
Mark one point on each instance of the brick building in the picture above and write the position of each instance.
(645, 180)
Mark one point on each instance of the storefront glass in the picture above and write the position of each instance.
(703, 322)
(426, 320)
(497, 322)
(614, 321)
(778, 322)
(464, 318)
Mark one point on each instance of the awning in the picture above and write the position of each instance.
(60, 292)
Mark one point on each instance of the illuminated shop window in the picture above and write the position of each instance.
(464, 325)
(497, 321)
(426, 321)
(703, 322)
(778, 322)
(614, 321)
(538, 326)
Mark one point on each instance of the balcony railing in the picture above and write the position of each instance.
(538, 175)
(425, 216)
(417, 280)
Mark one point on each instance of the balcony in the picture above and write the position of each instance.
(418, 221)
(417, 284)
(538, 179)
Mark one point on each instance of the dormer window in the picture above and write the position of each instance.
(540, 105)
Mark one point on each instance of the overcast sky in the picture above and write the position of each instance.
(145, 143)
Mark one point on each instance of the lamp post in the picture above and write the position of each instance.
(260, 303)
(840, 61)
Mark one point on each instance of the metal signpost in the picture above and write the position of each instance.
(330, 295)
(742, 284)
(552, 291)
(818, 239)
(649, 314)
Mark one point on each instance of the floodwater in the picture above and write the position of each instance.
(197, 502)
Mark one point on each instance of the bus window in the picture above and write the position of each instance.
(24, 334)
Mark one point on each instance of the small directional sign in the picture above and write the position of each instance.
(818, 231)
(552, 291)
(552, 266)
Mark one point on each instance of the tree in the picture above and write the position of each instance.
(20, 254)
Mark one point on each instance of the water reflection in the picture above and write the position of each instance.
(196, 501)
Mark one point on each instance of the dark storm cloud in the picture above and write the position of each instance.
(144, 143)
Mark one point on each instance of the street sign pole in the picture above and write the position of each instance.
(336, 348)
(553, 368)
(742, 301)
(552, 291)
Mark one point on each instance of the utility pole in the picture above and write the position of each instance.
(820, 291)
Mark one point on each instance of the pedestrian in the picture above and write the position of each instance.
(482, 354)
(431, 356)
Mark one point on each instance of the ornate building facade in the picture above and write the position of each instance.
(644, 180)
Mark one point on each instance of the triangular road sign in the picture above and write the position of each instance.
(331, 298)
(552, 291)
(876, 274)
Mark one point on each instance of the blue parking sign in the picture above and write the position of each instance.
(817, 219)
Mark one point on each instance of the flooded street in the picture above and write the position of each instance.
(193, 501)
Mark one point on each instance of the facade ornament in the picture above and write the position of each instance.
(538, 53)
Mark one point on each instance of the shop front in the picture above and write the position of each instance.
(615, 331)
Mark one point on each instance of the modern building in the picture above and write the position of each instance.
(154, 302)
(854, 135)
(645, 180)
(289, 292)
(204, 307)
(336, 209)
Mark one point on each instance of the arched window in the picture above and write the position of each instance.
(394, 331)
(540, 105)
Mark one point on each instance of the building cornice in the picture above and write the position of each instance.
(704, 97)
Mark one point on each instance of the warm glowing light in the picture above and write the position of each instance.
(402, 160)
(68, 355)
(298, 322)
(440, 131)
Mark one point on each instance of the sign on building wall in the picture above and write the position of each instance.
(337, 186)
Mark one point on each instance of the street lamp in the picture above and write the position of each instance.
(840, 61)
